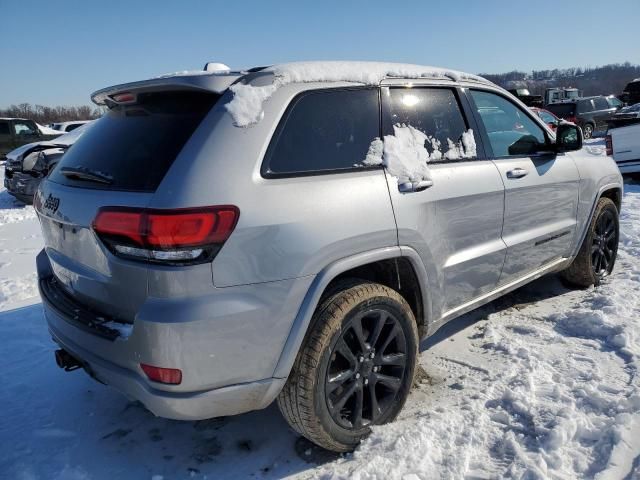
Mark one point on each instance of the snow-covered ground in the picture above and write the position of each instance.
(542, 383)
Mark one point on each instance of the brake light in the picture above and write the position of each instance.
(609, 144)
(191, 235)
(124, 97)
(572, 120)
(171, 376)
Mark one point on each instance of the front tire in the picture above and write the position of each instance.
(355, 368)
(597, 255)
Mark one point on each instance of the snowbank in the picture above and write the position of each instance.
(246, 105)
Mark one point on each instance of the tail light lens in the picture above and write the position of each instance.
(572, 120)
(182, 236)
(609, 144)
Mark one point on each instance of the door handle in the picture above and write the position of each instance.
(517, 173)
(408, 187)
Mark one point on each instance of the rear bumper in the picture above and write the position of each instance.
(226, 344)
(218, 402)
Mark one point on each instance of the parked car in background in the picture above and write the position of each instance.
(623, 143)
(626, 116)
(589, 113)
(27, 165)
(547, 117)
(15, 132)
(183, 267)
(68, 126)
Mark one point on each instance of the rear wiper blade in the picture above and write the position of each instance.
(81, 173)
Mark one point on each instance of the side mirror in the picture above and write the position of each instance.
(568, 137)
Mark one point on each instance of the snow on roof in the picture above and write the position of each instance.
(194, 73)
(246, 105)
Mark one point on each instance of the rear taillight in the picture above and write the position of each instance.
(190, 235)
(171, 376)
(572, 120)
(609, 144)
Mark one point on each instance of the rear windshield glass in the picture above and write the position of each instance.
(562, 110)
(134, 145)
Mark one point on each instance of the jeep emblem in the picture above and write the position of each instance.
(52, 203)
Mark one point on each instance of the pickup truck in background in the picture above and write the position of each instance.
(15, 132)
(525, 97)
(623, 143)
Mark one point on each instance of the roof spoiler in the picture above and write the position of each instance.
(205, 81)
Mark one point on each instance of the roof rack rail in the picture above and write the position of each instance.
(257, 69)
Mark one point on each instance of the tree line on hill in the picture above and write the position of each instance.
(45, 115)
(605, 80)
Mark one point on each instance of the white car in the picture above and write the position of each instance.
(68, 126)
(623, 143)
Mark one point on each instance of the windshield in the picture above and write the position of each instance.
(136, 144)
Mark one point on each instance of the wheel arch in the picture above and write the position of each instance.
(399, 268)
(612, 191)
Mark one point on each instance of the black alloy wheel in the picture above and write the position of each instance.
(605, 244)
(366, 369)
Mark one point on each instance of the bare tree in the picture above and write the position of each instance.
(44, 115)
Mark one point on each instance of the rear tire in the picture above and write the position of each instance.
(355, 368)
(587, 130)
(597, 255)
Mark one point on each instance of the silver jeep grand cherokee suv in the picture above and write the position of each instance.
(222, 239)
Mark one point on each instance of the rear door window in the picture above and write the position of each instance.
(323, 132)
(436, 113)
(601, 103)
(510, 130)
(585, 106)
(134, 145)
(4, 128)
(562, 110)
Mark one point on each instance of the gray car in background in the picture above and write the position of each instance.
(220, 240)
(28, 164)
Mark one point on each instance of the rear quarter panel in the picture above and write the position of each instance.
(288, 227)
(598, 173)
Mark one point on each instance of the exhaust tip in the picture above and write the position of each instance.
(65, 361)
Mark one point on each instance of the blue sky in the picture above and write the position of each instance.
(58, 52)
